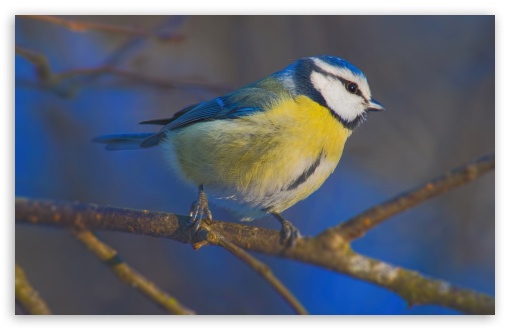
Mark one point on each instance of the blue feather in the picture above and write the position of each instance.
(255, 97)
(259, 96)
(242, 102)
(123, 141)
(341, 63)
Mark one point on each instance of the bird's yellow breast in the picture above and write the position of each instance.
(254, 159)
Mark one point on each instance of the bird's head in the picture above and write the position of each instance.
(336, 84)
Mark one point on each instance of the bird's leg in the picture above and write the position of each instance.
(200, 209)
(289, 233)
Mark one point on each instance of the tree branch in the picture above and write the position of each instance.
(258, 266)
(333, 253)
(28, 297)
(144, 79)
(40, 62)
(50, 80)
(357, 227)
(128, 275)
(82, 26)
(330, 250)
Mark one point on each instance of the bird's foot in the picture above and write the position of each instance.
(200, 210)
(289, 234)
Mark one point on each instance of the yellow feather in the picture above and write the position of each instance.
(259, 155)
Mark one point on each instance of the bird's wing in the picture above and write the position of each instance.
(166, 121)
(243, 102)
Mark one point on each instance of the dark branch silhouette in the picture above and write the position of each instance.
(83, 26)
(47, 79)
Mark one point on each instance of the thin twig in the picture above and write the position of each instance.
(128, 275)
(48, 79)
(168, 25)
(144, 79)
(28, 297)
(82, 26)
(360, 224)
(40, 62)
(259, 267)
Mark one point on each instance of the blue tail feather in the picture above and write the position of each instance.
(126, 141)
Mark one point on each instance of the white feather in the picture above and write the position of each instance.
(345, 104)
(346, 74)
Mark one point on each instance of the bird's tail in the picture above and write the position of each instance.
(129, 141)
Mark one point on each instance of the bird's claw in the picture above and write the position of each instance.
(289, 234)
(199, 210)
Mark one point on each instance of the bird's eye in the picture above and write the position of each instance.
(352, 87)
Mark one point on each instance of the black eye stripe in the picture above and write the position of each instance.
(347, 83)
(344, 81)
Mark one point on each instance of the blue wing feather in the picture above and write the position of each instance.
(243, 102)
(123, 141)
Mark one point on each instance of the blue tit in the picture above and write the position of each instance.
(262, 148)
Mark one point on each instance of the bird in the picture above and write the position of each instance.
(262, 148)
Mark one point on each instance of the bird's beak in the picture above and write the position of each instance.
(375, 106)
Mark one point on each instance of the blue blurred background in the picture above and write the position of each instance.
(434, 74)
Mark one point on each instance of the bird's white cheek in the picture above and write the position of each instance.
(336, 97)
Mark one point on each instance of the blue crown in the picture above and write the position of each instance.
(339, 62)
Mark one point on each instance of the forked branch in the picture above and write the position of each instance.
(46, 78)
(258, 266)
(356, 227)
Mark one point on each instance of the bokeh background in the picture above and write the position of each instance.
(434, 74)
